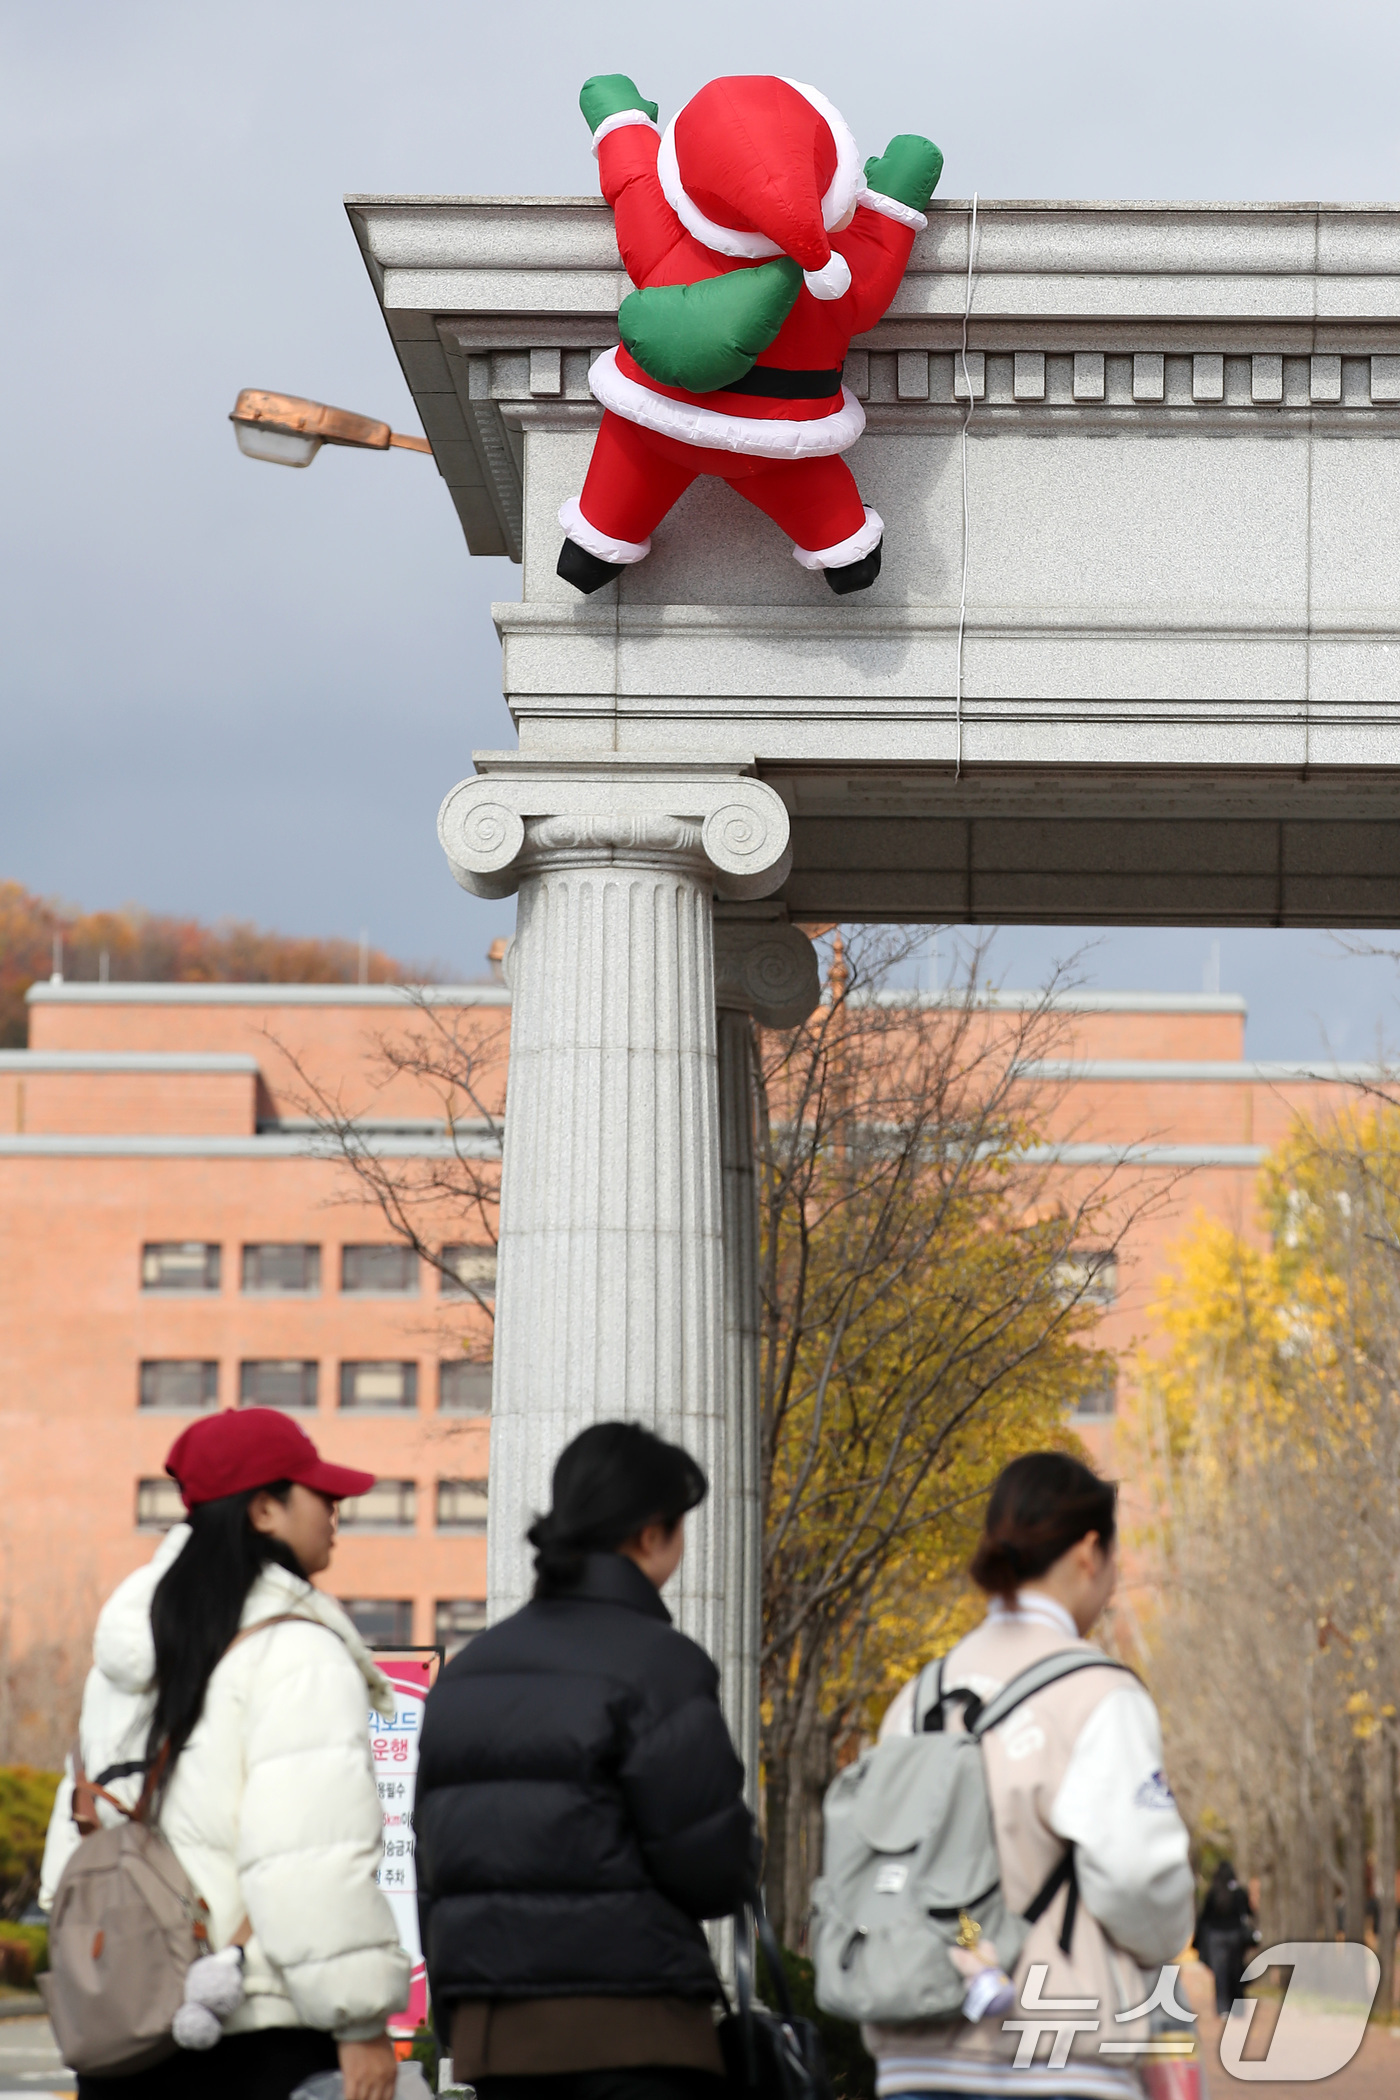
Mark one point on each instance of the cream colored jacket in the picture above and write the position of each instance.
(272, 1809)
(1081, 1764)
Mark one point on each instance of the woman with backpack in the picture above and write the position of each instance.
(231, 1698)
(580, 1807)
(1088, 1837)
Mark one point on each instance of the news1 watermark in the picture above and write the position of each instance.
(1327, 1999)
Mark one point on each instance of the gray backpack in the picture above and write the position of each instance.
(126, 1925)
(909, 1863)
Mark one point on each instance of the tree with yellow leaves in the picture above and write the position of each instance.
(1270, 1420)
(927, 1313)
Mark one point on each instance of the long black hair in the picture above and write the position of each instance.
(610, 1482)
(197, 1606)
(1039, 1507)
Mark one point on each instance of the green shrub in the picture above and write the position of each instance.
(26, 1803)
(24, 1954)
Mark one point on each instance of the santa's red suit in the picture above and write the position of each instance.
(777, 436)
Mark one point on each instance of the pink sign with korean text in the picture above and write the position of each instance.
(394, 1744)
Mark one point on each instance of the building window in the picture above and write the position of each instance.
(463, 1388)
(1089, 1273)
(382, 1271)
(271, 1381)
(468, 1272)
(381, 1622)
(281, 1268)
(455, 1620)
(461, 1505)
(390, 1505)
(180, 1265)
(159, 1504)
(180, 1385)
(379, 1387)
(1100, 1397)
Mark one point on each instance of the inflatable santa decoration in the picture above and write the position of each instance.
(758, 246)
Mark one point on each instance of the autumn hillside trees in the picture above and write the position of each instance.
(133, 946)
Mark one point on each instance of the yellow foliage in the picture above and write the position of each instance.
(1268, 1431)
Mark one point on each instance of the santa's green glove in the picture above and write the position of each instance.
(609, 95)
(907, 170)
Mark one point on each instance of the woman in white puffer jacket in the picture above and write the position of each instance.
(252, 1691)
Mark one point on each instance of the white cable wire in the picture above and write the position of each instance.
(971, 404)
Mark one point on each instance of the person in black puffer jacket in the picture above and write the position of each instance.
(580, 1807)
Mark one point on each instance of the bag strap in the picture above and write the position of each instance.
(773, 1958)
(83, 1805)
(1055, 1880)
(126, 1771)
(933, 1722)
(980, 1716)
(928, 1697)
(751, 1921)
(1049, 1670)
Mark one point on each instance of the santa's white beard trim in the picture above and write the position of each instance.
(845, 551)
(766, 437)
(578, 529)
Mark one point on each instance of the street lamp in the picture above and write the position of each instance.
(290, 432)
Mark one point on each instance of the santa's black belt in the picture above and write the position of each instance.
(773, 384)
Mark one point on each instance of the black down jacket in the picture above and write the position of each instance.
(579, 1803)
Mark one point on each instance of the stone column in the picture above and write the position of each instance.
(609, 1293)
(766, 971)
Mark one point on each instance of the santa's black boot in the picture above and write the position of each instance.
(586, 572)
(856, 575)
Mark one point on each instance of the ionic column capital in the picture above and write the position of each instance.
(764, 966)
(519, 812)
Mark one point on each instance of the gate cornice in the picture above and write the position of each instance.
(495, 258)
(1179, 689)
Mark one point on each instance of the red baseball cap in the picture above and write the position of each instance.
(249, 1447)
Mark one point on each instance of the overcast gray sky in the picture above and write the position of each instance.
(233, 690)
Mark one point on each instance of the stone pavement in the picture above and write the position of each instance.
(29, 2062)
(1372, 2074)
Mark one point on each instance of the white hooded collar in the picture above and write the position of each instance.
(123, 1649)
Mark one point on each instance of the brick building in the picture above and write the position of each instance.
(174, 1237)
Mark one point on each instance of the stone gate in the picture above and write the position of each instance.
(1154, 679)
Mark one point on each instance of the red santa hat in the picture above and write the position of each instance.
(755, 166)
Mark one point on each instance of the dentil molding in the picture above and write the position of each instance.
(519, 814)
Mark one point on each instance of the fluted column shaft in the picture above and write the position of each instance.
(765, 970)
(608, 1291)
(743, 1546)
(611, 1288)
